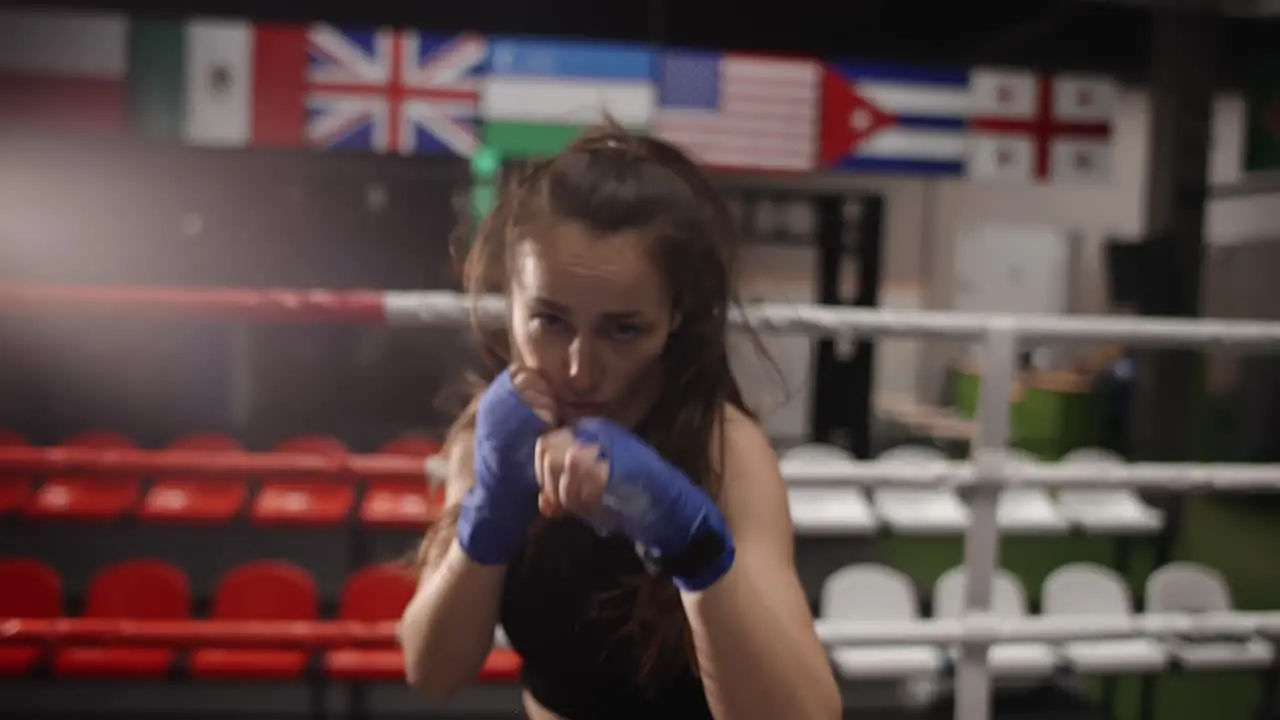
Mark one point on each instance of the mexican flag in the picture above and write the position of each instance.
(1262, 146)
(63, 72)
(218, 83)
(539, 95)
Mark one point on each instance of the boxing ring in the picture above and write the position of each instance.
(980, 479)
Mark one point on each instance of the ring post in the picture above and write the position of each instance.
(982, 538)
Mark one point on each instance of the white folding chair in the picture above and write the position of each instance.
(1186, 587)
(826, 510)
(1118, 511)
(1016, 659)
(1091, 590)
(919, 511)
(1028, 510)
(873, 592)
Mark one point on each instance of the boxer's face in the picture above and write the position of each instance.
(592, 315)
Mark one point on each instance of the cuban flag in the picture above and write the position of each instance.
(401, 92)
(893, 118)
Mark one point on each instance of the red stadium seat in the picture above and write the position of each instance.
(261, 590)
(15, 490)
(375, 593)
(411, 445)
(502, 666)
(142, 589)
(31, 589)
(15, 494)
(405, 504)
(303, 500)
(379, 593)
(193, 500)
(401, 504)
(88, 497)
(368, 665)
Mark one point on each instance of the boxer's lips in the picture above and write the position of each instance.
(583, 409)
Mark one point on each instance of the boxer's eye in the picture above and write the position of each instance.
(548, 321)
(627, 331)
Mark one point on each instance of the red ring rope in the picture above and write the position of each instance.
(203, 462)
(216, 303)
(187, 633)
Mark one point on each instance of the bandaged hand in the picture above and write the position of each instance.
(496, 513)
(616, 482)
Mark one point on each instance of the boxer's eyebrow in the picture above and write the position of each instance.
(549, 304)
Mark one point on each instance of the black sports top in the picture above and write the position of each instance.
(564, 609)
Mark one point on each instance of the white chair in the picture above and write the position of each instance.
(1186, 587)
(1118, 511)
(826, 510)
(872, 592)
(1018, 660)
(919, 511)
(1028, 510)
(1089, 589)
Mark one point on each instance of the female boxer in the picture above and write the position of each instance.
(658, 580)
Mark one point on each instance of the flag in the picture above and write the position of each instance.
(1262, 142)
(157, 71)
(1027, 126)
(740, 112)
(893, 118)
(403, 92)
(219, 83)
(292, 85)
(539, 95)
(63, 72)
(209, 82)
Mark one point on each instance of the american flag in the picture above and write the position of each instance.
(399, 92)
(740, 112)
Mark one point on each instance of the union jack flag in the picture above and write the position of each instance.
(389, 91)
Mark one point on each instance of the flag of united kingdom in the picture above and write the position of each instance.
(389, 91)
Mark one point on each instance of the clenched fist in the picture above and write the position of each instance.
(571, 478)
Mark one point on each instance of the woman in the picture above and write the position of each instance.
(659, 580)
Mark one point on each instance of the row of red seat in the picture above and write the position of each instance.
(151, 589)
(278, 501)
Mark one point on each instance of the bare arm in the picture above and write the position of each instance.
(446, 631)
(753, 631)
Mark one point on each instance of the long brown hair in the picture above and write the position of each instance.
(611, 181)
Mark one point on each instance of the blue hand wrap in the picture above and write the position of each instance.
(653, 502)
(502, 504)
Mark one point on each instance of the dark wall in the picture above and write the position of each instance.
(159, 215)
(122, 212)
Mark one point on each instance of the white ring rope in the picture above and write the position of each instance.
(1175, 477)
(980, 628)
(870, 474)
(452, 309)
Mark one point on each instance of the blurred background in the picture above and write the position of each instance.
(1057, 157)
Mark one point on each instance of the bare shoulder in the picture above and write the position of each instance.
(461, 469)
(742, 443)
(753, 495)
